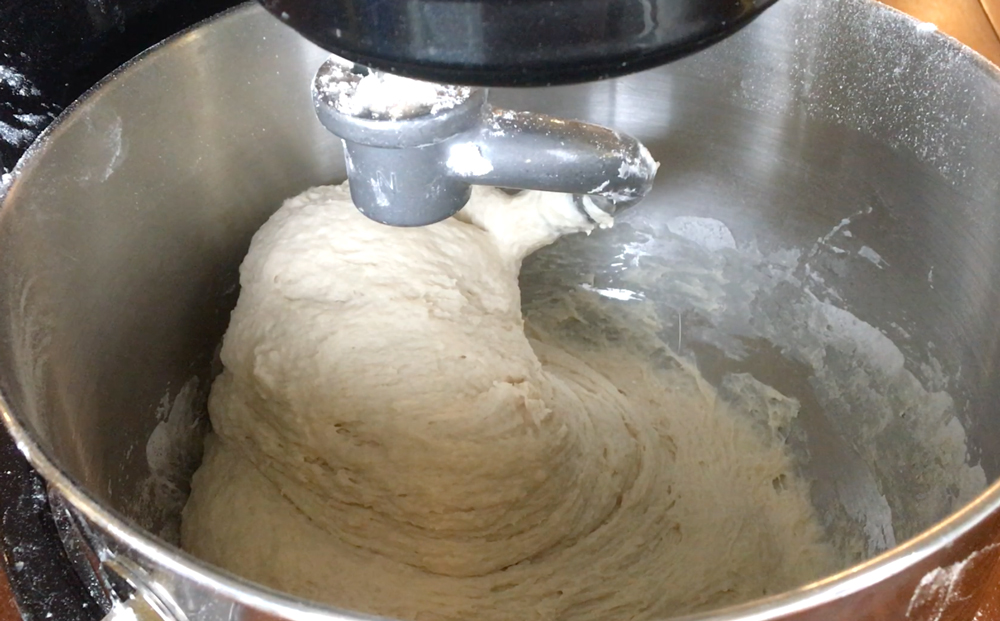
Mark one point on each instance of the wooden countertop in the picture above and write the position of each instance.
(973, 22)
(977, 24)
(8, 610)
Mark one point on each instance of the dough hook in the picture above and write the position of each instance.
(416, 166)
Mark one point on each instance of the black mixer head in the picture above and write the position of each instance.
(514, 42)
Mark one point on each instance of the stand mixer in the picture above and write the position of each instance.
(124, 226)
(415, 166)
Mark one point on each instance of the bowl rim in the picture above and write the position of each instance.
(130, 535)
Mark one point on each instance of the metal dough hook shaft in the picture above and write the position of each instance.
(416, 166)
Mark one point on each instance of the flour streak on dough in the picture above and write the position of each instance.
(388, 439)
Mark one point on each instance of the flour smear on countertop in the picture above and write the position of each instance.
(21, 120)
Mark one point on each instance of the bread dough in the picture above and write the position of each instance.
(387, 439)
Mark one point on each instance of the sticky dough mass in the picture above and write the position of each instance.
(388, 439)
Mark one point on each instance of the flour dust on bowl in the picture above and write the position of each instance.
(819, 250)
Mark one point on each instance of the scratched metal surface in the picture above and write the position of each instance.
(51, 52)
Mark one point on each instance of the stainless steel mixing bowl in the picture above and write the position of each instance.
(827, 218)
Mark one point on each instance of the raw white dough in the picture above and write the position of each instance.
(388, 440)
